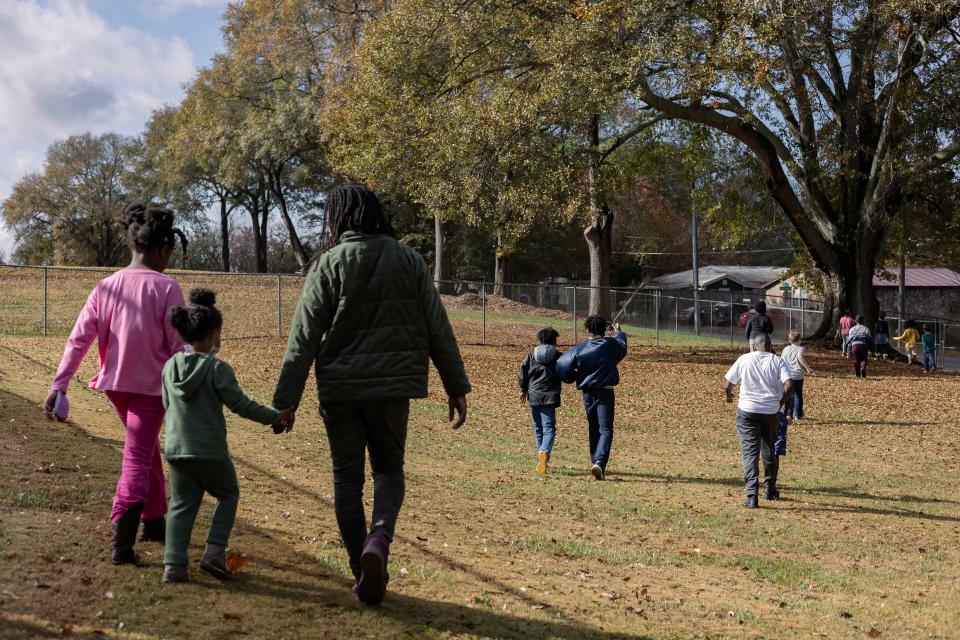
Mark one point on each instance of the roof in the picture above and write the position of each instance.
(919, 277)
(747, 277)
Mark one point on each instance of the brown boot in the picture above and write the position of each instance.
(125, 535)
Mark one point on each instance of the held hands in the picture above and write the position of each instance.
(285, 420)
(616, 327)
(458, 405)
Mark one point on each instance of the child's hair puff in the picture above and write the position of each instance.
(198, 319)
(147, 227)
(548, 335)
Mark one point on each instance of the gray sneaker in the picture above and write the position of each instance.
(597, 472)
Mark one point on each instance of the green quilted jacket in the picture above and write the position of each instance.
(371, 319)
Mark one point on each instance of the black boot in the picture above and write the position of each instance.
(125, 535)
(751, 502)
(772, 493)
(154, 530)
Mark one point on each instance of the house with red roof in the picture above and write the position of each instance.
(930, 292)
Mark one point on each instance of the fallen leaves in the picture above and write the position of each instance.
(237, 561)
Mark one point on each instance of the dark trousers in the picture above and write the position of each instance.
(758, 433)
(860, 352)
(796, 402)
(189, 480)
(599, 405)
(352, 430)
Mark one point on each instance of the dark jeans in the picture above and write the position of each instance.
(929, 361)
(758, 433)
(599, 405)
(352, 430)
(189, 480)
(780, 446)
(796, 403)
(860, 352)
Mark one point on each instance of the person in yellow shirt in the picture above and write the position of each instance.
(910, 336)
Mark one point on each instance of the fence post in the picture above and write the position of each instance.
(733, 317)
(803, 313)
(483, 307)
(279, 305)
(45, 270)
(574, 314)
(657, 315)
(676, 315)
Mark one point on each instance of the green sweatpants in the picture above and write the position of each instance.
(189, 480)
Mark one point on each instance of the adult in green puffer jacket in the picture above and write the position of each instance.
(370, 320)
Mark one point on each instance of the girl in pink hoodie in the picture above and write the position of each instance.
(128, 314)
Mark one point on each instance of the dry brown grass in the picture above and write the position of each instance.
(865, 538)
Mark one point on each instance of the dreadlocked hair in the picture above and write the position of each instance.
(197, 320)
(352, 207)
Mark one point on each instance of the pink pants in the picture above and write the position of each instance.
(141, 476)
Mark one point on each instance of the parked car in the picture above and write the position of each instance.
(711, 314)
(777, 317)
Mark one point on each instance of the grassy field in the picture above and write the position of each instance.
(864, 543)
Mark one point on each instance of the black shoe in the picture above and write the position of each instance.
(174, 574)
(772, 494)
(372, 586)
(125, 535)
(751, 502)
(214, 562)
(153, 530)
(597, 472)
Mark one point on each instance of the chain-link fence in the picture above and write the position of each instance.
(46, 300)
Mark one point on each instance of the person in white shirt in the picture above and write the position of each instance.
(793, 355)
(765, 387)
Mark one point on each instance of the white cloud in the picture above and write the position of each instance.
(167, 7)
(64, 70)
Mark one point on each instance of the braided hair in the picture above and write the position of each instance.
(352, 207)
(197, 320)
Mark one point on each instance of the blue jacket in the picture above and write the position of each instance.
(593, 363)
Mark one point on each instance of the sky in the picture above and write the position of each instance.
(75, 66)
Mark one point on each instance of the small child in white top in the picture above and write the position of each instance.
(793, 355)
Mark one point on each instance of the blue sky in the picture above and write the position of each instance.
(72, 66)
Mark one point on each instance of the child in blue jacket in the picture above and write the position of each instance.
(592, 364)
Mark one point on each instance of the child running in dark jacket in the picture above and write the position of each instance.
(540, 389)
(593, 365)
(196, 385)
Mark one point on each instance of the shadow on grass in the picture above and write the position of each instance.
(450, 563)
(839, 492)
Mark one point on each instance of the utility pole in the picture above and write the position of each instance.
(902, 288)
(696, 276)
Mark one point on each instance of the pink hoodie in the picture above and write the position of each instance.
(128, 315)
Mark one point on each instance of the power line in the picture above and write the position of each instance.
(686, 253)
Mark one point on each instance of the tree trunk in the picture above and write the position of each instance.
(599, 234)
(224, 234)
(262, 253)
(501, 269)
(848, 285)
(443, 257)
(295, 243)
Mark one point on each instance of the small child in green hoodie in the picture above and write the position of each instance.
(196, 386)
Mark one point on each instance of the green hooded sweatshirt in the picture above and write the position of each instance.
(370, 320)
(196, 386)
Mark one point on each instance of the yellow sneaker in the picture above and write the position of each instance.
(542, 462)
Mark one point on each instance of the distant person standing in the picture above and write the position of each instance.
(793, 355)
(909, 337)
(759, 322)
(593, 365)
(881, 337)
(846, 322)
(765, 388)
(929, 343)
(858, 339)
